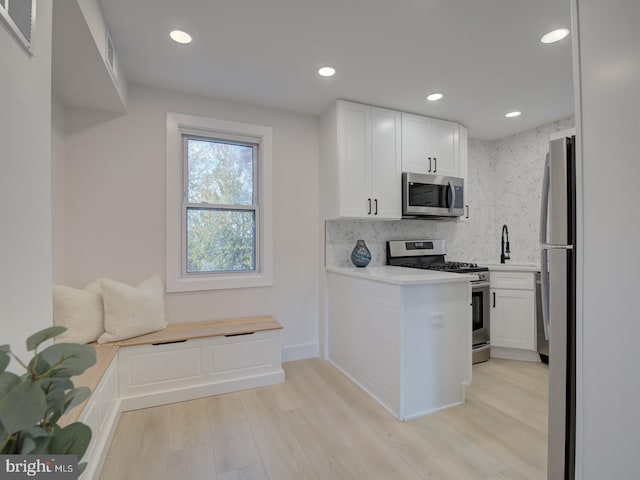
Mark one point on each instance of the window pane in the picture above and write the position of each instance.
(219, 173)
(220, 240)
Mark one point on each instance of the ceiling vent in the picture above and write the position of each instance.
(18, 16)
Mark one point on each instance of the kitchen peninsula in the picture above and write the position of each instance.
(403, 335)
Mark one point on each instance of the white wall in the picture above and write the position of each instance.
(58, 186)
(25, 184)
(609, 106)
(518, 163)
(115, 215)
(503, 186)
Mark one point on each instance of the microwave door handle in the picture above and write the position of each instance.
(453, 196)
(544, 202)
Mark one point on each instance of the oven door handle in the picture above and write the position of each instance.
(480, 284)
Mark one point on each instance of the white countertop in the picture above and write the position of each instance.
(402, 275)
(513, 267)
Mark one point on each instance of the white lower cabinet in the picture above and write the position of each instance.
(513, 312)
(408, 346)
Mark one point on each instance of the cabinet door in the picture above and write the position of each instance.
(415, 144)
(386, 179)
(513, 319)
(354, 139)
(444, 148)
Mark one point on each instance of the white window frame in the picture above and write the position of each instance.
(12, 27)
(177, 278)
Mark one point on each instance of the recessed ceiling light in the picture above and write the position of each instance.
(513, 114)
(555, 36)
(327, 71)
(180, 36)
(434, 97)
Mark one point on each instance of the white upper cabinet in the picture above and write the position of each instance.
(386, 145)
(430, 146)
(361, 162)
(354, 152)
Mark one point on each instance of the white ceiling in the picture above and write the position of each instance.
(484, 55)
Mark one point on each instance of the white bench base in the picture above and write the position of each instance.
(150, 375)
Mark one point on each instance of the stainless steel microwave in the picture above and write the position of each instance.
(432, 195)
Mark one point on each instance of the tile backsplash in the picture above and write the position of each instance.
(503, 186)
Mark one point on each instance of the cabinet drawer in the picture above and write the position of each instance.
(151, 369)
(513, 280)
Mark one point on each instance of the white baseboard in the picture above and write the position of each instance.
(429, 412)
(199, 391)
(300, 352)
(514, 354)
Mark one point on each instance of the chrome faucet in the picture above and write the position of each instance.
(504, 254)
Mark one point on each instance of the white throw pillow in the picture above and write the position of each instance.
(131, 311)
(80, 311)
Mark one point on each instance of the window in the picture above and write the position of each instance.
(18, 16)
(220, 207)
(219, 231)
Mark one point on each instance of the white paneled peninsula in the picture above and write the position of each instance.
(403, 335)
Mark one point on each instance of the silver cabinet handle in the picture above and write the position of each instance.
(369, 212)
(429, 165)
(376, 202)
(435, 162)
(467, 215)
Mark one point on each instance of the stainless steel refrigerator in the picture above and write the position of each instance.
(558, 275)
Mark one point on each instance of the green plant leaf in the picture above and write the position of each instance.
(5, 348)
(7, 445)
(67, 359)
(55, 389)
(37, 338)
(4, 361)
(75, 397)
(34, 441)
(23, 406)
(41, 445)
(37, 366)
(8, 381)
(71, 440)
(28, 445)
(36, 432)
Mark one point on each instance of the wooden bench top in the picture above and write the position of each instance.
(90, 378)
(177, 332)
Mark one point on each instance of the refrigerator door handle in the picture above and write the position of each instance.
(544, 279)
(544, 203)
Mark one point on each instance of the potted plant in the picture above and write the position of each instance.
(31, 404)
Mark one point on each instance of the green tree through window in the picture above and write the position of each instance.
(220, 207)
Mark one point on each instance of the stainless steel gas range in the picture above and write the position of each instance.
(429, 255)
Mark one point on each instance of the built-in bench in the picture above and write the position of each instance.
(182, 362)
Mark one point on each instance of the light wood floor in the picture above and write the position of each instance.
(319, 425)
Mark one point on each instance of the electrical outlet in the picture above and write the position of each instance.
(436, 319)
